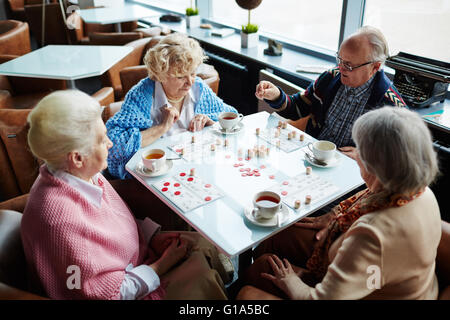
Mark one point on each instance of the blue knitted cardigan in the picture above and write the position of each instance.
(124, 128)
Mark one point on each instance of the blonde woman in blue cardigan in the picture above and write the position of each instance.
(171, 100)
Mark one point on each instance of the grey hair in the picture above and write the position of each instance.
(176, 51)
(62, 122)
(395, 145)
(380, 48)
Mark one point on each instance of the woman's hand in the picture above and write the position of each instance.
(170, 115)
(267, 90)
(199, 122)
(319, 223)
(349, 152)
(174, 253)
(162, 240)
(285, 278)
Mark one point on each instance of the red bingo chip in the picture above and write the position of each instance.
(208, 199)
(244, 174)
(285, 183)
(182, 174)
(284, 193)
(190, 179)
(207, 185)
(272, 177)
(257, 174)
(177, 193)
(167, 184)
(236, 165)
(164, 189)
(177, 184)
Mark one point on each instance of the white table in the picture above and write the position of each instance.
(223, 221)
(117, 14)
(65, 62)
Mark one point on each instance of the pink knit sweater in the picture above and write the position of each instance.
(61, 229)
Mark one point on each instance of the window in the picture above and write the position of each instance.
(172, 5)
(419, 27)
(314, 22)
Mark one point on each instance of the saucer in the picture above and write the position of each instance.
(237, 128)
(272, 222)
(331, 163)
(143, 171)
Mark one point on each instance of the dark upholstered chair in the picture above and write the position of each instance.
(14, 37)
(14, 282)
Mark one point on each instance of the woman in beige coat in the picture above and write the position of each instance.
(379, 244)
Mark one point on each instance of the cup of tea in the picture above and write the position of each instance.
(323, 150)
(154, 159)
(266, 204)
(228, 120)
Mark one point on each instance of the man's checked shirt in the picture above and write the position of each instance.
(333, 108)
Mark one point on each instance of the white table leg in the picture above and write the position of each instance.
(71, 84)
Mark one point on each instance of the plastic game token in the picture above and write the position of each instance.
(164, 189)
(240, 159)
(182, 174)
(167, 184)
(244, 174)
(176, 185)
(272, 177)
(284, 193)
(257, 174)
(241, 169)
(285, 183)
(208, 199)
(177, 193)
(247, 169)
(236, 165)
(262, 167)
(207, 185)
(250, 173)
(190, 179)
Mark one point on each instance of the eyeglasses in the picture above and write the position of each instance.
(347, 66)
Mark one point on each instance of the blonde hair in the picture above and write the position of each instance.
(175, 51)
(62, 122)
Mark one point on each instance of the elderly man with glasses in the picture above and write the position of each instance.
(340, 95)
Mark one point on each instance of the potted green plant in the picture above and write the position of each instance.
(249, 32)
(192, 16)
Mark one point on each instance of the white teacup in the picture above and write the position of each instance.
(323, 150)
(228, 120)
(266, 204)
(154, 159)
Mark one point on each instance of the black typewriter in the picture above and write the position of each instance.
(420, 81)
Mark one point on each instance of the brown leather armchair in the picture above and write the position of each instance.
(111, 78)
(56, 31)
(17, 7)
(18, 167)
(14, 37)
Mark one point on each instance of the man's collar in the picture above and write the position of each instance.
(361, 89)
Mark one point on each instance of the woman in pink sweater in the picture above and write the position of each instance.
(80, 239)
